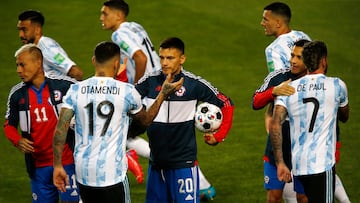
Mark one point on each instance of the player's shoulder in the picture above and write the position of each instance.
(17, 88)
(47, 42)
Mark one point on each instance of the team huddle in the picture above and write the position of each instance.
(80, 136)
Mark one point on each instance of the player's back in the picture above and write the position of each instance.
(101, 106)
(312, 112)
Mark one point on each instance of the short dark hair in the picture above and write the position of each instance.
(33, 16)
(312, 54)
(118, 5)
(281, 9)
(301, 42)
(106, 50)
(173, 42)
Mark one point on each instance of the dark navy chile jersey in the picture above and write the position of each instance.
(273, 79)
(172, 134)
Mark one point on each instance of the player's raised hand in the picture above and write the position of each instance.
(284, 89)
(168, 87)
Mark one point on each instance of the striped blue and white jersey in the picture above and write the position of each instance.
(55, 60)
(278, 53)
(131, 37)
(101, 106)
(312, 111)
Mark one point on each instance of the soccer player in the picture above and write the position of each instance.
(141, 57)
(136, 46)
(33, 105)
(313, 111)
(56, 61)
(276, 22)
(102, 107)
(276, 84)
(173, 166)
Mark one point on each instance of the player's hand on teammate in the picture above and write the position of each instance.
(284, 89)
(25, 145)
(60, 178)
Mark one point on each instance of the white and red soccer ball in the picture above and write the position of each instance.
(208, 117)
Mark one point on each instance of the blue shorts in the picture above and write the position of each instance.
(298, 187)
(172, 185)
(44, 191)
(271, 181)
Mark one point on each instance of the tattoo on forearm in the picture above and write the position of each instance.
(60, 134)
(276, 132)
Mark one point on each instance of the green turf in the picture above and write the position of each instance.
(225, 44)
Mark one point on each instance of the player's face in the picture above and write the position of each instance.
(297, 64)
(108, 18)
(28, 67)
(171, 60)
(270, 23)
(26, 31)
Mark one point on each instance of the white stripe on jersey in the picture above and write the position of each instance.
(173, 111)
(313, 139)
(101, 106)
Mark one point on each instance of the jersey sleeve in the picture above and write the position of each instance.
(55, 58)
(136, 104)
(126, 44)
(12, 120)
(344, 100)
(68, 101)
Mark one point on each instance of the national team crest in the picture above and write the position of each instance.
(57, 95)
(180, 92)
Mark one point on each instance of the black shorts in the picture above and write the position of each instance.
(118, 193)
(319, 187)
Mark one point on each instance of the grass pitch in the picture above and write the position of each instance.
(224, 44)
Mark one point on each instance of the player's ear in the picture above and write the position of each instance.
(93, 60)
(182, 59)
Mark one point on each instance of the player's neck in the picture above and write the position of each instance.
(283, 30)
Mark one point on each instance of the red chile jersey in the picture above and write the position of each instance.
(36, 112)
(172, 133)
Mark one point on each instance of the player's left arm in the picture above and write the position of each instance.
(228, 113)
(59, 175)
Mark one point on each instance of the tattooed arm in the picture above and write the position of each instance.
(278, 118)
(146, 117)
(59, 177)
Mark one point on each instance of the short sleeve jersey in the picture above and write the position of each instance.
(312, 111)
(278, 53)
(101, 106)
(56, 61)
(131, 37)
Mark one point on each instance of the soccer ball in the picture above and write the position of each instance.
(208, 117)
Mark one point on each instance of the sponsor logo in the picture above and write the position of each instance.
(59, 58)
